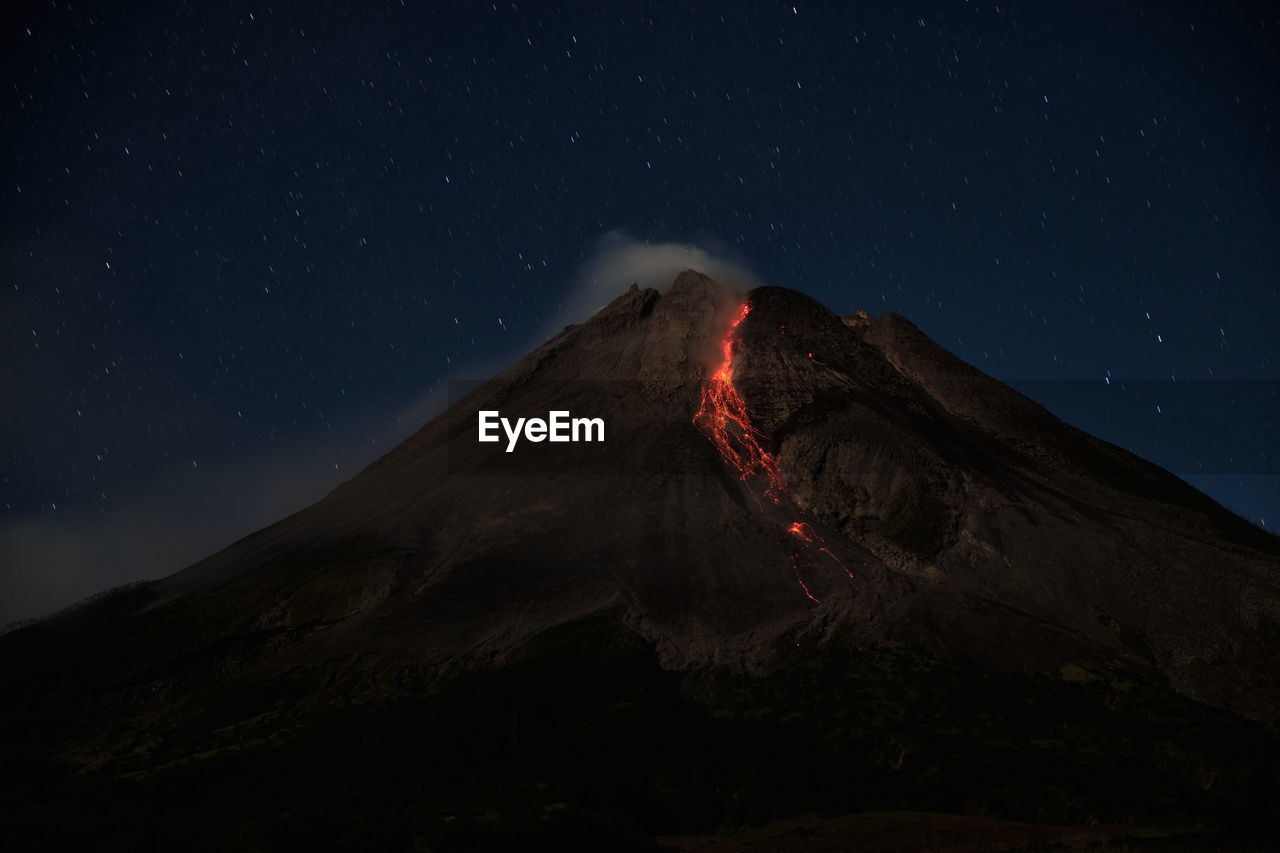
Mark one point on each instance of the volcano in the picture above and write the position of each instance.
(822, 582)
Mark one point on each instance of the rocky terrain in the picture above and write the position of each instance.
(951, 602)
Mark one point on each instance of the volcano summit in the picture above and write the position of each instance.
(822, 571)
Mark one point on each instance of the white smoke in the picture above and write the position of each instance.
(621, 260)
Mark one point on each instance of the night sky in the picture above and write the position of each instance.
(246, 245)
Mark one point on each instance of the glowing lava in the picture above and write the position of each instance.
(805, 534)
(722, 417)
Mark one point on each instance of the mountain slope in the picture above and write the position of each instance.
(884, 551)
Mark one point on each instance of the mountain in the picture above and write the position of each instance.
(817, 566)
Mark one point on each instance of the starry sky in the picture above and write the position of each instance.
(245, 245)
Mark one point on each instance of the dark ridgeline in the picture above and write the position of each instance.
(584, 645)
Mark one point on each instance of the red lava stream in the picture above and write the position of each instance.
(722, 417)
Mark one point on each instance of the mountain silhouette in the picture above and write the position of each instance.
(818, 566)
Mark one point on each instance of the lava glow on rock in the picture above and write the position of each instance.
(722, 417)
(813, 542)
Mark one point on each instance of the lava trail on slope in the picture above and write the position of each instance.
(723, 418)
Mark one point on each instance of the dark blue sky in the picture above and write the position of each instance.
(243, 243)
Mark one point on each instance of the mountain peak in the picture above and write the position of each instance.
(782, 496)
(908, 464)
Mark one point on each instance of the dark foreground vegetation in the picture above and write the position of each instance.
(583, 741)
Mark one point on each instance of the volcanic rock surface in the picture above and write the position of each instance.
(949, 518)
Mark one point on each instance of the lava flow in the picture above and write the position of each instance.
(802, 531)
(722, 417)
